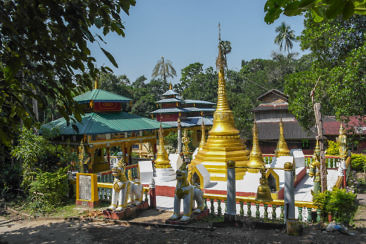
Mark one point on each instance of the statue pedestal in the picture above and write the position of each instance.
(127, 213)
(165, 174)
(195, 216)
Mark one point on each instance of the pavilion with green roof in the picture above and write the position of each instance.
(105, 124)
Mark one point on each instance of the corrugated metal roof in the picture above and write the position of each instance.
(195, 109)
(170, 93)
(169, 100)
(169, 110)
(103, 123)
(98, 95)
(292, 130)
(189, 101)
(191, 121)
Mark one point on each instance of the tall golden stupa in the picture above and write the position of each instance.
(223, 141)
(282, 148)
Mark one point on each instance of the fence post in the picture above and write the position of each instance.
(289, 198)
(152, 194)
(231, 193)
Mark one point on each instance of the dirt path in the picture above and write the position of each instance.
(13, 230)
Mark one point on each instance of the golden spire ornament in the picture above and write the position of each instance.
(223, 141)
(162, 159)
(255, 158)
(203, 135)
(170, 86)
(282, 148)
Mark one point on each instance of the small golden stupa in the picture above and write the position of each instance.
(162, 159)
(282, 148)
(203, 136)
(255, 158)
(223, 141)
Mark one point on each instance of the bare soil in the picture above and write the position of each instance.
(14, 229)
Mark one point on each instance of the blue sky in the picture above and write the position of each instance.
(185, 31)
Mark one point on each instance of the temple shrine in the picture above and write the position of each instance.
(190, 113)
(106, 123)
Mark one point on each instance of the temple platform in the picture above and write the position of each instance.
(246, 187)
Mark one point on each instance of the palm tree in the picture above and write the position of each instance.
(285, 37)
(164, 69)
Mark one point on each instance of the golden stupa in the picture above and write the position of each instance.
(282, 148)
(162, 159)
(223, 141)
(203, 136)
(255, 158)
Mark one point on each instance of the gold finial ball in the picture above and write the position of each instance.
(230, 164)
(288, 166)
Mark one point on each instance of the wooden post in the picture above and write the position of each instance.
(323, 166)
(319, 126)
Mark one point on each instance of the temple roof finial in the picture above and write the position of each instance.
(170, 86)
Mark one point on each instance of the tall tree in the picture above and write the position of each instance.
(285, 37)
(44, 54)
(338, 48)
(164, 69)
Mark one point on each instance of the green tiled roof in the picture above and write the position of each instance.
(98, 95)
(103, 123)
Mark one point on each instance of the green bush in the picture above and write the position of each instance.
(36, 153)
(333, 148)
(358, 162)
(341, 204)
(48, 190)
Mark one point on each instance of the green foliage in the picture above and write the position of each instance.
(172, 140)
(35, 153)
(341, 204)
(333, 148)
(45, 56)
(358, 162)
(320, 9)
(338, 48)
(48, 190)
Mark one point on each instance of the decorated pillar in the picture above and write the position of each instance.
(289, 198)
(179, 131)
(231, 192)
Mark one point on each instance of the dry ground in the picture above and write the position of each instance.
(15, 230)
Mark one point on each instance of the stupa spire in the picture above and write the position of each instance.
(203, 135)
(170, 86)
(223, 141)
(255, 157)
(282, 148)
(162, 160)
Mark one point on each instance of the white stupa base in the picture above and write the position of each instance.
(165, 175)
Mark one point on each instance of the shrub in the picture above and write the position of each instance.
(36, 153)
(341, 204)
(358, 162)
(48, 190)
(333, 148)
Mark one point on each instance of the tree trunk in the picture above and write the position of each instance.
(323, 166)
